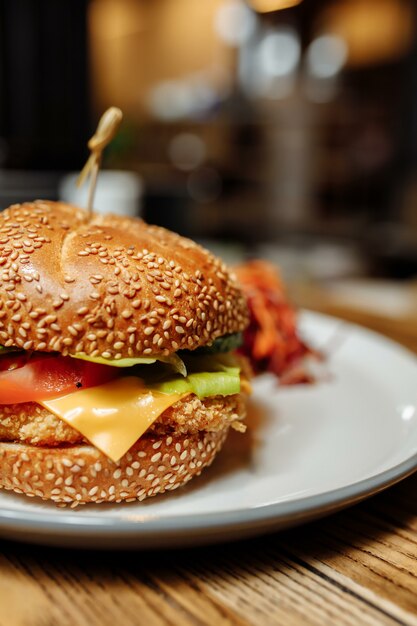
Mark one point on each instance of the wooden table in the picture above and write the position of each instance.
(357, 567)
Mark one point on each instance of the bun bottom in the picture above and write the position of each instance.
(82, 474)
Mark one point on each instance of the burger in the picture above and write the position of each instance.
(119, 378)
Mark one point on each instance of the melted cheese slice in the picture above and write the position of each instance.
(112, 416)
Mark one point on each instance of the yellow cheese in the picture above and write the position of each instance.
(112, 416)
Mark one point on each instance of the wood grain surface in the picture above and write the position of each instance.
(358, 567)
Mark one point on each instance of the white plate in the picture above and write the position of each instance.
(310, 450)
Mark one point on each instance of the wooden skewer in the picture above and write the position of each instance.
(106, 130)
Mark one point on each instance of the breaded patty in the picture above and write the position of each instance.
(32, 424)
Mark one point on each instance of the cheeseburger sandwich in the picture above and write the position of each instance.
(119, 378)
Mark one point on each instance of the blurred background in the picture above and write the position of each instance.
(285, 129)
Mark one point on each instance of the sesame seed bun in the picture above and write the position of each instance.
(108, 286)
(81, 474)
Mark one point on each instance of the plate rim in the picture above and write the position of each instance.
(226, 520)
(267, 515)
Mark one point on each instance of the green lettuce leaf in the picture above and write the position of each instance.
(173, 360)
(209, 376)
(4, 349)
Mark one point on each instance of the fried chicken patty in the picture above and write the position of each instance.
(32, 424)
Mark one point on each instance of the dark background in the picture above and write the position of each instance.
(324, 160)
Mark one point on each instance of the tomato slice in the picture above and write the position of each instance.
(30, 378)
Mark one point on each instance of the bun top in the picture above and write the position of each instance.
(108, 286)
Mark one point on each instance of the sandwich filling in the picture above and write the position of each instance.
(112, 404)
